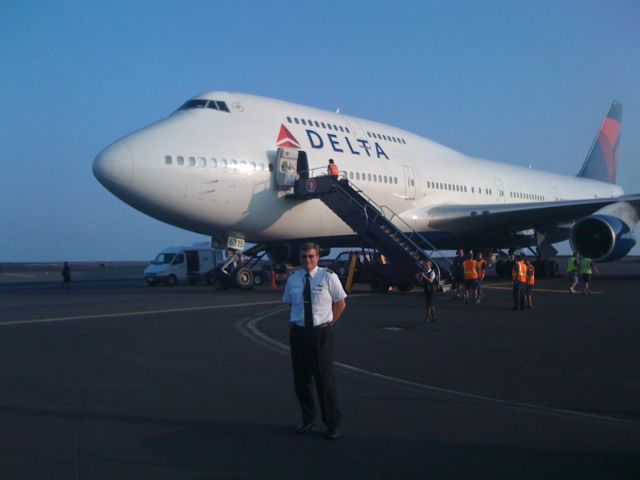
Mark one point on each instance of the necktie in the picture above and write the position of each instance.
(308, 314)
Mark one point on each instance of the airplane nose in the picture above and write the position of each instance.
(114, 165)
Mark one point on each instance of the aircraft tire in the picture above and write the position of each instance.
(258, 279)
(243, 278)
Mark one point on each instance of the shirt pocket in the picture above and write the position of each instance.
(297, 295)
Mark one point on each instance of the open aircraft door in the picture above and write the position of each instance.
(291, 163)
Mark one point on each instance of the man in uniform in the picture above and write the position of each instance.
(317, 298)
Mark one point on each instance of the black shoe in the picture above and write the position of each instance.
(333, 433)
(303, 428)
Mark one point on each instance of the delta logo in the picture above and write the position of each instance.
(338, 143)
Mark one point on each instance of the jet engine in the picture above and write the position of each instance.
(603, 238)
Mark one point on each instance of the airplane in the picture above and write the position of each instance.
(222, 164)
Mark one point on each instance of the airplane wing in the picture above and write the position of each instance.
(516, 217)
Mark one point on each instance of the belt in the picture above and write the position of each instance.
(301, 327)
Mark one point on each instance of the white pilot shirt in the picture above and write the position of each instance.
(326, 290)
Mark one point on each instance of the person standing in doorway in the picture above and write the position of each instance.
(317, 301)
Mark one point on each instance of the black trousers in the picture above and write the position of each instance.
(312, 361)
(518, 295)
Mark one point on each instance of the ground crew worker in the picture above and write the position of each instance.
(519, 277)
(457, 272)
(586, 270)
(482, 266)
(470, 269)
(572, 271)
(531, 281)
(332, 169)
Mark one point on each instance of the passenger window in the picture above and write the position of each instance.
(385, 179)
(316, 123)
(223, 163)
(233, 164)
(351, 175)
(296, 120)
(379, 178)
(323, 125)
(203, 162)
(288, 119)
(192, 161)
(357, 175)
(304, 122)
(180, 160)
(395, 180)
(168, 160)
(341, 129)
(347, 129)
(213, 162)
(253, 166)
(262, 167)
(368, 176)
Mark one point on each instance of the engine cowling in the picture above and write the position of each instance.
(603, 238)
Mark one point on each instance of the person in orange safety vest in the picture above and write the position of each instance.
(482, 266)
(470, 268)
(531, 281)
(332, 169)
(519, 277)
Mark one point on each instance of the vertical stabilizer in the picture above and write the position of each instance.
(602, 161)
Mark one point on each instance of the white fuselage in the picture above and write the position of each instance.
(208, 170)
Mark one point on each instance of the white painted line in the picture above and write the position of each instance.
(136, 313)
(252, 331)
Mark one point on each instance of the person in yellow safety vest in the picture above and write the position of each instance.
(586, 270)
(572, 271)
(519, 277)
(470, 268)
(482, 265)
(531, 281)
(332, 169)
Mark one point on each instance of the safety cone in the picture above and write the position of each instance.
(273, 280)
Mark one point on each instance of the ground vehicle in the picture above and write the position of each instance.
(182, 264)
(374, 269)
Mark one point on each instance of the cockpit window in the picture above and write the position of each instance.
(201, 103)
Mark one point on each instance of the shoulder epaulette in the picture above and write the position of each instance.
(329, 271)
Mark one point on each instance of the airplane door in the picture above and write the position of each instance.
(286, 167)
(409, 182)
(500, 196)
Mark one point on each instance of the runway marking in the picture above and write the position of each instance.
(536, 289)
(136, 313)
(249, 329)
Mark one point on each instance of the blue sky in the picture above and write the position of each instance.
(521, 82)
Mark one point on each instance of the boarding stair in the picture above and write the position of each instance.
(378, 226)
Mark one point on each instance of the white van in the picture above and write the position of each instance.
(182, 264)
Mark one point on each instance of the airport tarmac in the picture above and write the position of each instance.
(115, 379)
